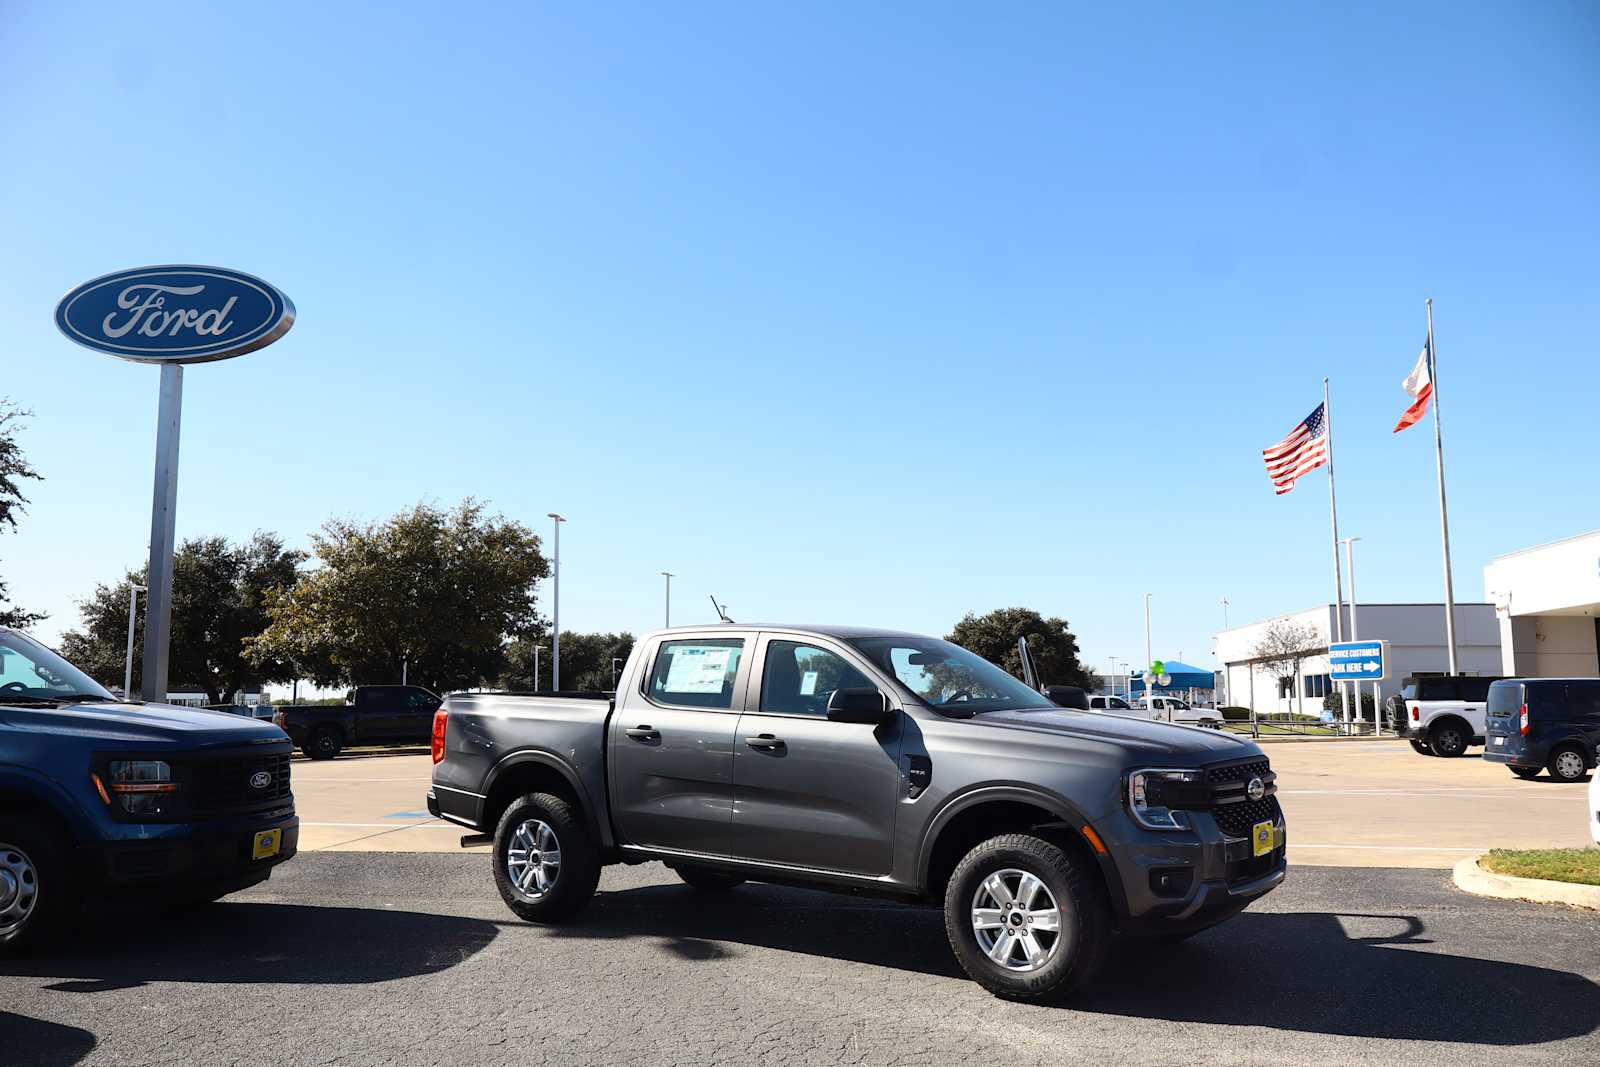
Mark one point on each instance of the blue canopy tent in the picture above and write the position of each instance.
(1185, 676)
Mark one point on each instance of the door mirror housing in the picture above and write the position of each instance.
(866, 706)
(1067, 696)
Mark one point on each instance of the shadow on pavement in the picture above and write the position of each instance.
(41, 1044)
(244, 943)
(1285, 971)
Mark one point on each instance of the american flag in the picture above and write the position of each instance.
(1303, 451)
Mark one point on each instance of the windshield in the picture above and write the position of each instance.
(948, 677)
(28, 670)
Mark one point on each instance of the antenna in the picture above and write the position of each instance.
(722, 609)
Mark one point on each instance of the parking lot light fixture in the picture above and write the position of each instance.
(668, 575)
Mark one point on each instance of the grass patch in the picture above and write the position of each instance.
(1581, 865)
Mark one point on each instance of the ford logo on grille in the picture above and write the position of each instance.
(262, 779)
(1256, 789)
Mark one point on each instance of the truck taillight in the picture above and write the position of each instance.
(440, 717)
(280, 720)
(1522, 726)
(1416, 712)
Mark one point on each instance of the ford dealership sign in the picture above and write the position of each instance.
(175, 314)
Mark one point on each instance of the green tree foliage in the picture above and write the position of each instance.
(586, 661)
(994, 637)
(440, 591)
(219, 593)
(14, 470)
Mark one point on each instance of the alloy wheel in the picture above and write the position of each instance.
(19, 888)
(533, 859)
(1016, 920)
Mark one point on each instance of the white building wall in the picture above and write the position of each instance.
(1416, 636)
(1548, 598)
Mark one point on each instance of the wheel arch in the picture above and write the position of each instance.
(987, 811)
(537, 771)
(27, 791)
(1444, 718)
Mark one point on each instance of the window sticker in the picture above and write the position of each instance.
(697, 670)
(808, 684)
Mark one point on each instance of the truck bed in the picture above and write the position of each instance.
(566, 729)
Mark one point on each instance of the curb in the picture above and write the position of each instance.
(1474, 879)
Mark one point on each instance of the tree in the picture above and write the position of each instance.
(219, 593)
(586, 661)
(14, 469)
(1283, 646)
(994, 637)
(437, 594)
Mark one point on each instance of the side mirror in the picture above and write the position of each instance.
(866, 706)
(1067, 696)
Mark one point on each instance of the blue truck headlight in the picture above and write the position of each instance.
(144, 787)
(1156, 796)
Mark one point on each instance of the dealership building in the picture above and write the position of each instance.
(1417, 645)
(1547, 607)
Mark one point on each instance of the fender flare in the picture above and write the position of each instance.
(1054, 803)
(51, 795)
(525, 756)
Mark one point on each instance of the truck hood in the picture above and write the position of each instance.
(133, 723)
(1142, 738)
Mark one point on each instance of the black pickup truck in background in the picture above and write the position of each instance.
(373, 715)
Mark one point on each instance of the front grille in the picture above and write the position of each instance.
(1235, 820)
(225, 784)
(1239, 772)
(1231, 806)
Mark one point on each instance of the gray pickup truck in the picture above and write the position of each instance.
(871, 762)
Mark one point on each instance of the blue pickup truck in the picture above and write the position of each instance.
(100, 798)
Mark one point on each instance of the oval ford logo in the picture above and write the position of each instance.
(1256, 789)
(175, 314)
(260, 780)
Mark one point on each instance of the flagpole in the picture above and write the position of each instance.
(1333, 510)
(1444, 514)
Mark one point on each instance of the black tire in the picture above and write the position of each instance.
(1567, 764)
(1449, 739)
(576, 872)
(323, 744)
(1527, 774)
(1420, 747)
(1076, 953)
(34, 892)
(708, 881)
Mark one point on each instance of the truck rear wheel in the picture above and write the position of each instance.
(323, 744)
(33, 888)
(1420, 747)
(1448, 739)
(1026, 920)
(546, 866)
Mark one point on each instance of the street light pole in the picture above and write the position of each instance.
(536, 650)
(1227, 680)
(668, 575)
(1149, 657)
(555, 642)
(133, 617)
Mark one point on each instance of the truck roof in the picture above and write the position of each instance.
(834, 630)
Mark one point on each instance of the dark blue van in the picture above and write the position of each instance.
(1535, 724)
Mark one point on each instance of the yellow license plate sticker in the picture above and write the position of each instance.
(268, 842)
(1262, 838)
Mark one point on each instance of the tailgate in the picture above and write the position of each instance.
(1502, 722)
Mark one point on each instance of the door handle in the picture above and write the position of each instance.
(644, 733)
(765, 742)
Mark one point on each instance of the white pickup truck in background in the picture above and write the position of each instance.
(1166, 709)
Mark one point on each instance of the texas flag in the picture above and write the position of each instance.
(1419, 384)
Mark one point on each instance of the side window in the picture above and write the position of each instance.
(1475, 689)
(1583, 698)
(1117, 703)
(798, 679)
(1436, 689)
(421, 699)
(696, 674)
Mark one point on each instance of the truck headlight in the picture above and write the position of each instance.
(1157, 796)
(144, 787)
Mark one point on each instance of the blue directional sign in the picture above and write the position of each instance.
(175, 314)
(1358, 661)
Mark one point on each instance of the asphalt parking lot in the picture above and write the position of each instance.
(411, 959)
(1348, 803)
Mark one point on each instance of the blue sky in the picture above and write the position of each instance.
(862, 313)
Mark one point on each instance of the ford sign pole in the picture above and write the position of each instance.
(171, 315)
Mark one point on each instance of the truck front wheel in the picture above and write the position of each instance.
(323, 744)
(1026, 920)
(33, 888)
(546, 866)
